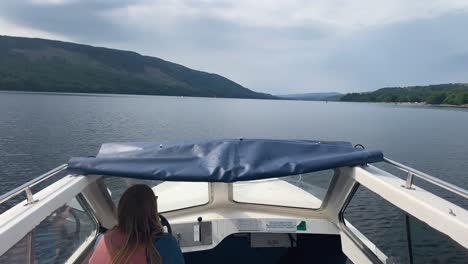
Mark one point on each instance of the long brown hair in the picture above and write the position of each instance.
(139, 221)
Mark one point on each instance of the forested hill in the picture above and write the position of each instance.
(41, 65)
(452, 94)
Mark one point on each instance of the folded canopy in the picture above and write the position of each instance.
(225, 160)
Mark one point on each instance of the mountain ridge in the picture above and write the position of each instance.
(34, 64)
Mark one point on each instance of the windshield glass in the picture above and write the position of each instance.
(302, 191)
(171, 195)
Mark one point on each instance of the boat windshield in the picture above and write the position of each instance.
(302, 191)
(171, 195)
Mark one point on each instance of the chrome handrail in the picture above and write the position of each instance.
(28, 185)
(431, 179)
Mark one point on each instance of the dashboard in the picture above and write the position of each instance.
(203, 235)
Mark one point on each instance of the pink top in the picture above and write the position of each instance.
(110, 243)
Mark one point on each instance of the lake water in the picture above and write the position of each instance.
(41, 131)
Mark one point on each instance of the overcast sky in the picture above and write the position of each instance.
(279, 47)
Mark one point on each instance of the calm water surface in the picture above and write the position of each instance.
(40, 131)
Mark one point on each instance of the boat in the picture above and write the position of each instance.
(230, 201)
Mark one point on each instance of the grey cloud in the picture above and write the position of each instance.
(207, 34)
(80, 20)
(416, 52)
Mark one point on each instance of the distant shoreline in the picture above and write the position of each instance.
(124, 95)
(424, 104)
(391, 103)
(465, 106)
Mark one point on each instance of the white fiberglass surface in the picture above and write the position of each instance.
(301, 191)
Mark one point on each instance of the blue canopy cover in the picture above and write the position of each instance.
(225, 160)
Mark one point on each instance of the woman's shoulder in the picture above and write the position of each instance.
(166, 238)
(169, 249)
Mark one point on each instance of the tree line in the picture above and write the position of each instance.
(452, 94)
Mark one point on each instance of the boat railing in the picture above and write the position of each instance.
(28, 185)
(411, 173)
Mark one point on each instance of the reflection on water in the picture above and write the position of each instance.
(56, 238)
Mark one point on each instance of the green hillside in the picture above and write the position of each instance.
(53, 66)
(452, 94)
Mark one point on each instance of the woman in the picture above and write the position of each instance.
(139, 236)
